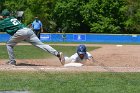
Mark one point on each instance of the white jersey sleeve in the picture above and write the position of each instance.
(75, 57)
(89, 55)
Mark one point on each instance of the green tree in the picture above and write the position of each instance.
(67, 15)
(32, 8)
(16, 5)
(80, 16)
(1, 4)
(132, 25)
(105, 16)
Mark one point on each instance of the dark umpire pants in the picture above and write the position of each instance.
(37, 32)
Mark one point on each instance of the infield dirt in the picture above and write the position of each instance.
(109, 58)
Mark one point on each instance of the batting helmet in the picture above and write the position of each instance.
(81, 49)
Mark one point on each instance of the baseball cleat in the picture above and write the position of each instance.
(11, 63)
(61, 58)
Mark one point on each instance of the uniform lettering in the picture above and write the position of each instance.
(15, 21)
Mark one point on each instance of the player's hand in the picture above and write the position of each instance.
(89, 62)
(91, 59)
(42, 30)
(1, 17)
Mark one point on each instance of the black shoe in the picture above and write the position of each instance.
(61, 58)
(11, 63)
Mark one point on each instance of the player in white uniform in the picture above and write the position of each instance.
(81, 56)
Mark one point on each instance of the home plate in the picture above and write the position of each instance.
(73, 65)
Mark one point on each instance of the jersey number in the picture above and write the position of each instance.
(15, 21)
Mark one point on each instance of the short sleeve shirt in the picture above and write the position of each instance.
(76, 58)
(37, 25)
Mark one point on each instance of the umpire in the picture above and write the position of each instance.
(37, 27)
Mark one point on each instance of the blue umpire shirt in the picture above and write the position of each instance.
(37, 25)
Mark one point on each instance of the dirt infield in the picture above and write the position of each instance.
(109, 58)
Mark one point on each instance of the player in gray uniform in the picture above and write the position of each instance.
(80, 56)
(19, 32)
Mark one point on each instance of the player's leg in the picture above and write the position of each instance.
(17, 37)
(34, 40)
(38, 33)
(10, 45)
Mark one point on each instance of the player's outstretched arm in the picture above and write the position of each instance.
(91, 59)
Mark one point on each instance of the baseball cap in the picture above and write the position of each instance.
(5, 12)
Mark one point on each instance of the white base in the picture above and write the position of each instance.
(73, 65)
(119, 45)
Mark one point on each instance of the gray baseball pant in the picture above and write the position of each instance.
(26, 34)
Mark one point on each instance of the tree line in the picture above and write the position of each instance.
(80, 16)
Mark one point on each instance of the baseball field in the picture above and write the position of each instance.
(116, 70)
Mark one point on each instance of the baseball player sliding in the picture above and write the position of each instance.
(20, 32)
(80, 56)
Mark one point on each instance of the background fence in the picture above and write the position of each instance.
(89, 38)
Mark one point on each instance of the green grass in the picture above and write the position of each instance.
(56, 82)
(31, 52)
(64, 82)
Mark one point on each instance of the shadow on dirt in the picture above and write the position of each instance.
(27, 64)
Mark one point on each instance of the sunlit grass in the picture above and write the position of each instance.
(31, 52)
(63, 82)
